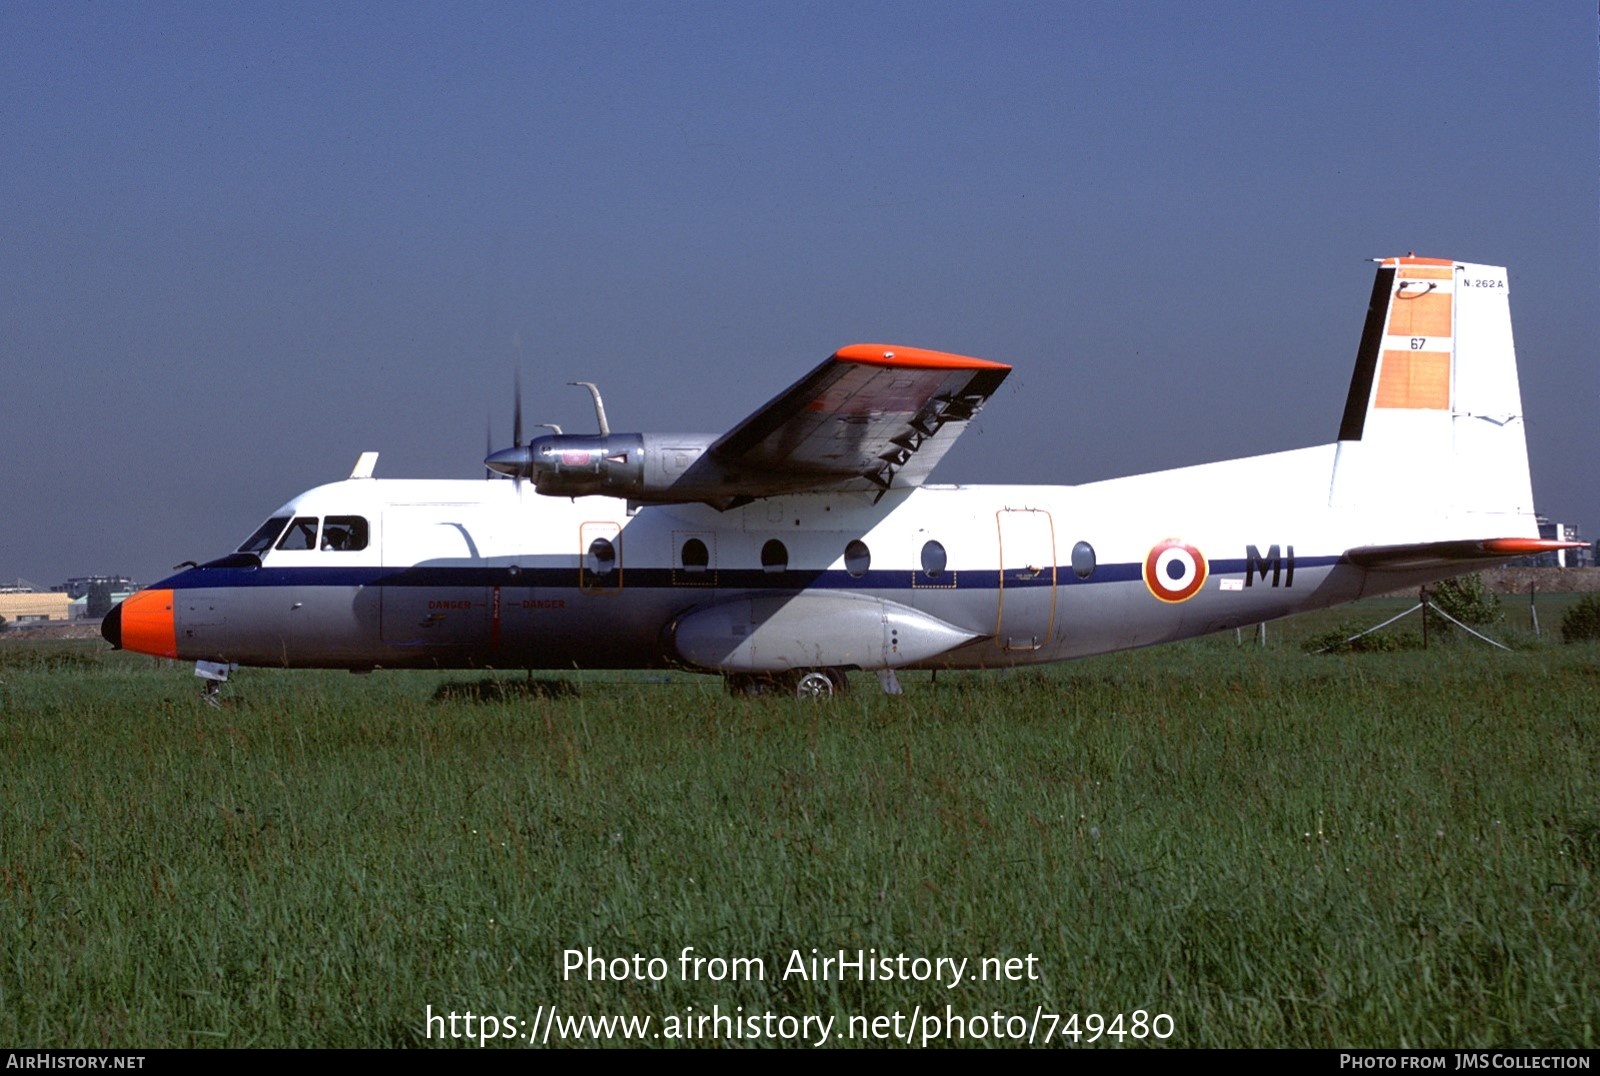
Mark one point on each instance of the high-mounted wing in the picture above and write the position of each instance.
(872, 417)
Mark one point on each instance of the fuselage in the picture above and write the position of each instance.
(369, 573)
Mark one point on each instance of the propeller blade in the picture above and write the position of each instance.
(516, 412)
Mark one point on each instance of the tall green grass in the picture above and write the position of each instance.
(1276, 849)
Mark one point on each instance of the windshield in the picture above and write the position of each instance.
(265, 535)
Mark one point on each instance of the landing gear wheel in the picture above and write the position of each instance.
(816, 684)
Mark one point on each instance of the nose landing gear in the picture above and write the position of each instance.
(213, 675)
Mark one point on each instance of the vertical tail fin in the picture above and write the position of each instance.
(1432, 428)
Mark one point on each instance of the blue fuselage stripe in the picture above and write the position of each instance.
(567, 576)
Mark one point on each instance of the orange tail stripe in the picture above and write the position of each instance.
(1425, 315)
(1414, 379)
(1412, 259)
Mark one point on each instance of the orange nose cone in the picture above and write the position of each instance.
(147, 625)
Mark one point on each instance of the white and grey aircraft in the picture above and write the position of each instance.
(807, 541)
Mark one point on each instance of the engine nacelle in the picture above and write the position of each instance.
(637, 466)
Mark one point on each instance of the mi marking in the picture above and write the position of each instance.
(1281, 565)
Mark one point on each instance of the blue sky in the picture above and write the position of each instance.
(242, 243)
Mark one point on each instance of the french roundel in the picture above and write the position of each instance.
(1174, 572)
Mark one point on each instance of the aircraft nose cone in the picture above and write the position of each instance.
(510, 461)
(111, 627)
(144, 624)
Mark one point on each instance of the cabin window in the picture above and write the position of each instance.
(933, 559)
(265, 535)
(302, 534)
(695, 556)
(857, 558)
(602, 557)
(344, 534)
(1083, 560)
(774, 556)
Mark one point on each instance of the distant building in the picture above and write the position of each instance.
(33, 608)
(91, 596)
(91, 607)
(94, 595)
(79, 585)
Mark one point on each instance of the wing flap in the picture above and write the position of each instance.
(871, 417)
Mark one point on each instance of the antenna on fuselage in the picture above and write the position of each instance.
(365, 464)
(599, 405)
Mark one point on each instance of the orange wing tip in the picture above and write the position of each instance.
(147, 624)
(912, 358)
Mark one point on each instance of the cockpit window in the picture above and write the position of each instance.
(344, 533)
(302, 534)
(265, 535)
(339, 533)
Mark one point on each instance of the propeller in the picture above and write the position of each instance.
(511, 462)
(517, 462)
(516, 409)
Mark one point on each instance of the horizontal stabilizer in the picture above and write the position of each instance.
(1434, 554)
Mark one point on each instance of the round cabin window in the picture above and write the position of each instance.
(857, 558)
(1083, 560)
(695, 556)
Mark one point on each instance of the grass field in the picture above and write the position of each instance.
(1272, 848)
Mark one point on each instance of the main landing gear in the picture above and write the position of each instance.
(797, 683)
(802, 683)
